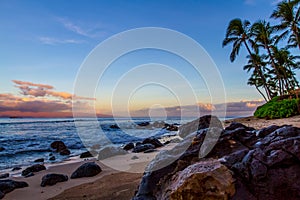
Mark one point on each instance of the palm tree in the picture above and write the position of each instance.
(238, 33)
(262, 33)
(289, 14)
(256, 59)
(286, 63)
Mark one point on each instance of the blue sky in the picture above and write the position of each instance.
(46, 41)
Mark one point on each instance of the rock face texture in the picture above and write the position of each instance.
(264, 164)
(203, 180)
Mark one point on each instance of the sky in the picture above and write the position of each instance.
(44, 43)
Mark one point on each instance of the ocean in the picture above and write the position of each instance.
(23, 140)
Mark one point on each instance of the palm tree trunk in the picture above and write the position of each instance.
(259, 72)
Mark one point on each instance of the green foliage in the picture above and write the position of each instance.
(277, 108)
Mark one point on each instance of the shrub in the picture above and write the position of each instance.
(278, 108)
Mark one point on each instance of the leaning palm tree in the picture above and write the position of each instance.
(262, 32)
(288, 12)
(238, 34)
(256, 59)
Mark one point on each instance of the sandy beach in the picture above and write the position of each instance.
(120, 175)
(119, 179)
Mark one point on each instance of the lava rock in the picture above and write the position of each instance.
(58, 146)
(33, 168)
(16, 168)
(52, 179)
(88, 169)
(87, 154)
(2, 176)
(142, 148)
(154, 141)
(128, 146)
(7, 186)
(39, 160)
(65, 152)
(114, 126)
(110, 151)
(198, 124)
(52, 158)
(208, 180)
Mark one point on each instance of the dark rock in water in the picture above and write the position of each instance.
(138, 143)
(2, 148)
(39, 160)
(143, 123)
(154, 141)
(172, 127)
(128, 146)
(159, 124)
(16, 168)
(114, 126)
(150, 150)
(87, 154)
(58, 145)
(2, 176)
(264, 163)
(52, 179)
(143, 147)
(33, 168)
(7, 186)
(110, 151)
(65, 152)
(52, 158)
(86, 170)
(167, 142)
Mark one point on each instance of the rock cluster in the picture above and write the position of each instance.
(60, 147)
(243, 164)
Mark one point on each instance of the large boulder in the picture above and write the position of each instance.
(198, 124)
(33, 168)
(110, 151)
(203, 180)
(154, 141)
(52, 179)
(7, 186)
(86, 170)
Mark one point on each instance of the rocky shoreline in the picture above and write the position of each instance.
(208, 162)
(245, 163)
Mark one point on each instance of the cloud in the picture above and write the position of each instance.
(42, 90)
(90, 32)
(32, 84)
(55, 41)
(233, 109)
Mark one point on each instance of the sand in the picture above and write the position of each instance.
(119, 178)
(261, 123)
